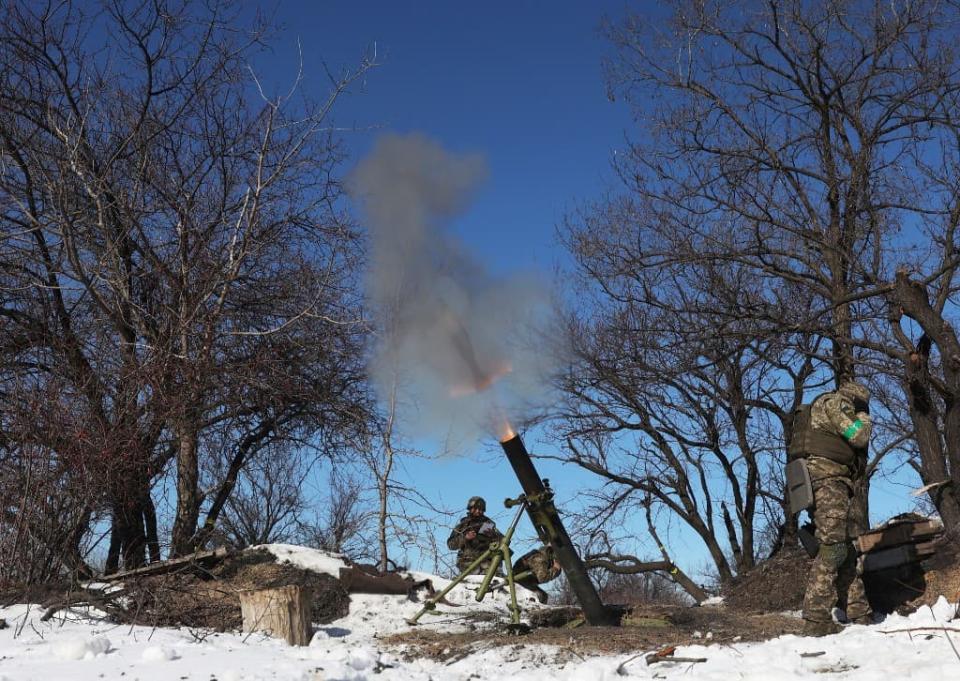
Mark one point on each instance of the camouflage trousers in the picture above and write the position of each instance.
(539, 563)
(834, 578)
(466, 558)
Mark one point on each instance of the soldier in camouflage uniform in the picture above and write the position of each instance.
(534, 568)
(834, 473)
(473, 535)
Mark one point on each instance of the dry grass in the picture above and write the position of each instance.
(775, 585)
(210, 599)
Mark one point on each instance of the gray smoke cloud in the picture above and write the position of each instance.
(464, 348)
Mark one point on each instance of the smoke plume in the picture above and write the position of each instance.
(462, 348)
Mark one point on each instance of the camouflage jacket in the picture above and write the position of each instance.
(834, 413)
(485, 528)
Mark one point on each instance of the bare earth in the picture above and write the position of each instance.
(643, 629)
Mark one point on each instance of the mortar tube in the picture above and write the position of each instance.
(594, 611)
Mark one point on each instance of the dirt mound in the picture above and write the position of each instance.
(210, 599)
(778, 583)
(775, 585)
(941, 573)
(642, 628)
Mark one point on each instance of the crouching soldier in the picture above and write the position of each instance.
(836, 440)
(535, 568)
(473, 535)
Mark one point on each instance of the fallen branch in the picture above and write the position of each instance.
(631, 565)
(652, 659)
(84, 597)
(912, 629)
(663, 655)
(622, 667)
(194, 559)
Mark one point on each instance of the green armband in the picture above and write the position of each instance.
(854, 428)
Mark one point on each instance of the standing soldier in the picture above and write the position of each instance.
(473, 535)
(837, 437)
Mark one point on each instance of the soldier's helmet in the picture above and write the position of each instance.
(854, 390)
(477, 502)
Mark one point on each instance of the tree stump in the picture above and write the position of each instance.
(283, 612)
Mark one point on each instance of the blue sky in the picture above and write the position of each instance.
(518, 82)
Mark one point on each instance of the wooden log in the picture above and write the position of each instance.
(359, 580)
(283, 612)
(198, 558)
(105, 600)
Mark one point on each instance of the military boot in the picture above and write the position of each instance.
(820, 628)
(859, 613)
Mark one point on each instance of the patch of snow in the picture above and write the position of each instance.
(83, 648)
(308, 559)
(158, 654)
(713, 600)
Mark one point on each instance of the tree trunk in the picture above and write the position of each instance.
(113, 552)
(188, 492)
(150, 522)
(933, 459)
(127, 536)
(384, 492)
(939, 450)
(283, 612)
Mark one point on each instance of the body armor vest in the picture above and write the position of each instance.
(808, 441)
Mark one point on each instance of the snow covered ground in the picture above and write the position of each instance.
(77, 647)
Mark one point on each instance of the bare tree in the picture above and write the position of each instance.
(399, 515)
(792, 156)
(340, 529)
(931, 377)
(173, 251)
(267, 503)
(675, 402)
(781, 142)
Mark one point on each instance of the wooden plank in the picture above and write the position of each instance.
(160, 567)
(883, 537)
(885, 559)
(898, 533)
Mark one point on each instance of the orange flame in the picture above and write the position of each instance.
(505, 431)
(483, 383)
